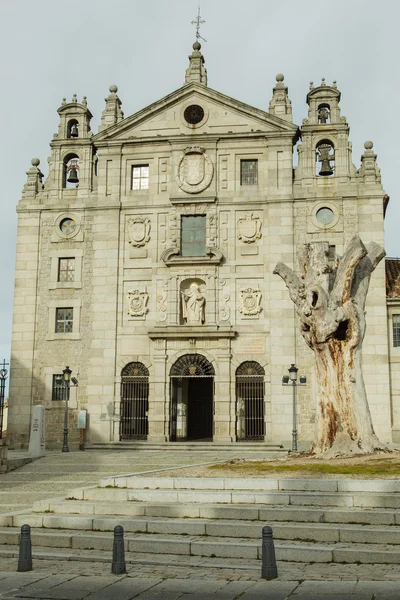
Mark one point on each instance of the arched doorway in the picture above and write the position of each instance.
(134, 402)
(192, 397)
(250, 401)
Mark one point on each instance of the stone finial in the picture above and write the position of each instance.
(34, 183)
(84, 101)
(323, 82)
(112, 113)
(311, 85)
(74, 98)
(369, 169)
(63, 102)
(280, 105)
(196, 72)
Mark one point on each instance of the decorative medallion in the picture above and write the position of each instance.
(139, 231)
(162, 303)
(195, 170)
(137, 303)
(249, 228)
(250, 302)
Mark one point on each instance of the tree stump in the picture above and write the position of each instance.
(329, 297)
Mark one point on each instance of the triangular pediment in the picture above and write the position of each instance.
(223, 115)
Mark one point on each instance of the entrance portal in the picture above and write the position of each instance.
(192, 395)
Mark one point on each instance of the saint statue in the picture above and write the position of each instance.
(193, 303)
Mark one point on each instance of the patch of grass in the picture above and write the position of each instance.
(371, 467)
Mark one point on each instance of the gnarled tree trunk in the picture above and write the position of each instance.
(330, 300)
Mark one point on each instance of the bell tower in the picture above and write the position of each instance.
(71, 160)
(325, 152)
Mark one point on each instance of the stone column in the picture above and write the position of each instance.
(159, 395)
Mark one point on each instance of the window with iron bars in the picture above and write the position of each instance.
(66, 269)
(59, 389)
(64, 320)
(249, 172)
(396, 330)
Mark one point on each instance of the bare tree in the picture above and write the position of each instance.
(330, 301)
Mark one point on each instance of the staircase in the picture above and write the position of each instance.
(187, 446)
(216, 521)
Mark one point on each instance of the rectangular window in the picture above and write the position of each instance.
(249, 172)
(193, 236)
(140, 177)
(66, 269)
(64, 320)
(396, 330)
(59, 389)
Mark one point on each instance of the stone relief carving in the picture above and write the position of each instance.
(193, 305)
(162, 305)
(139, 231)
(224, 310)
(249, 228)
(250, 302)
(137, 303)
(195, 170)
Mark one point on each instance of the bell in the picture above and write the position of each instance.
(73, 175)
(74, 131)
(326, 168)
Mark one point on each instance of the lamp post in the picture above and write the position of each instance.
(3, 377)
(67, 382)
(292, 377)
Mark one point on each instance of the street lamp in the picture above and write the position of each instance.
(292, 377)
(3, 377)
(67, 382)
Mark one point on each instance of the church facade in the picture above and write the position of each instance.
(145, 263)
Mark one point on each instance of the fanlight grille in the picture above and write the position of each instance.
(248, 368)
(135, 369)
(192, 365)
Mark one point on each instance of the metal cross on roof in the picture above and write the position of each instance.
(199, 21)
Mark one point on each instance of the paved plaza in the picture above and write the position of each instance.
(228, 579)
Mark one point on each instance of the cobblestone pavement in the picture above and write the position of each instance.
(52, 475)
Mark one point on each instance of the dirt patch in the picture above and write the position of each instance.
(371, 466)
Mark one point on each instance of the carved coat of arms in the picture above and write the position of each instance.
(195, 170)
(137, 303)
(250, 302)
(139, 231)
(249, 228)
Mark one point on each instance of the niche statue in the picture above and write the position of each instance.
(193, 303)
(330, 299)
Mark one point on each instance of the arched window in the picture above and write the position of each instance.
(324, 113)
(250, 401)
(134, 402)
(325, 157)
(72, 129)
(71, 171)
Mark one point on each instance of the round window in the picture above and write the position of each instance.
(325, 215)
(193, 114)
(68, 226)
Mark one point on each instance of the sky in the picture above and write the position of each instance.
(52, 48)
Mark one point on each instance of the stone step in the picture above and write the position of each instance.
(216, 511)
(315, 532)
(362, 499)
(137, 482)
(295, 551)
(236, 448)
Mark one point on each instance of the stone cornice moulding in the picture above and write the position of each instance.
(172, 256)
(193, 199)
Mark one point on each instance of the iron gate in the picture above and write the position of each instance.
(250, 391)
(134, 402)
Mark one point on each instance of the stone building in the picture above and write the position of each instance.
(145, 262)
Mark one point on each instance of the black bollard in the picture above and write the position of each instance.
(25, 549)
(268, 568)
(118, 566)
